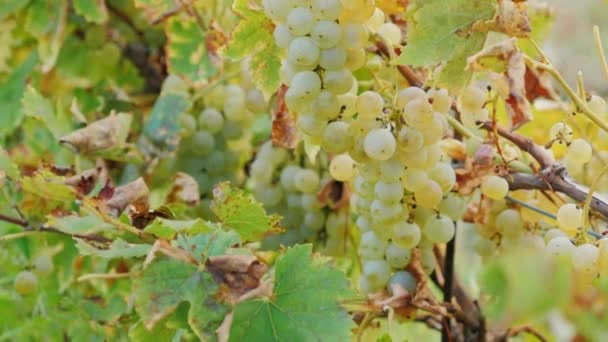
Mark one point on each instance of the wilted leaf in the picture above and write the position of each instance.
(284, 129)
(185, 190)
(335, 194)
(303, 307)
(471, 175)
(100, 135)
(239, 211)
(539, 84)
(237, 274)
(512, 18)
(117, 249)
(134, 193)
(48, 186)
(85, 181)
(167, 283)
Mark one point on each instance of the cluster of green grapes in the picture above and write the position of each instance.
(402, 188)
(26, 282)
(288, 184)
(217, 140)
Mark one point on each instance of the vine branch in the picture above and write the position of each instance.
(28, 228)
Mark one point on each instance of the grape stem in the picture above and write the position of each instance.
(45, 229)
(600, 49)
(404, 70)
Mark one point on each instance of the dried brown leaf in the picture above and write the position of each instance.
(538, 85)
(131, 194)
(185, 190)
(100, 135)
(512, 18)
(335, 194)
(236, 274)
(284, 129)
(85, 181)
(469, 177)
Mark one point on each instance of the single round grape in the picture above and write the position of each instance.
(579, 151)
(202, 143)
(43, 265)
(363, 224)
(495, 187)
(409, 94)
(277, 10)
(326, 34)
(380, 144)
(444, 175)
(390, 170)
(385, 212)
(306, 180)
(355, 59)
(300, 21)
(307, 83)
(326, 9)
(416, 160)
(235, 110)
(294, 200)
(356, 35)
(211, 120)
(561, 132)
(377, 272)
(440, 99)
(371, 246)
(314, 220)
(26, 283)
(282, 36)
(403, 279)
(454, 206)
(376, 20)
(410, 139)
(434, 130)
(398, 257)
(388, 192)
(569, 217)
(427, 259)
(342, 167)
(560, 246)
(288, 175)
(418, 113)
(269, 195)
(348, 104)
(370, 104)
(332, 58)
(471, 99)
(585, 258)
(311, 124)
(598, 106)
(187, 125)
(363, 187)
(215, 163)
(370, 172)
(391, 32)
(255, 101)
(439, 229)
(509, 223)
(429, 196)
(337, 137)
(405, 234)
(414, 179)
(338, 81)
(303, 51)
(326, 105)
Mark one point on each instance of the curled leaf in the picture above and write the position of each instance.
(134, 193)
(100, 135)
(512, 18)
(185, 190)
(238, 274)
(284, 129)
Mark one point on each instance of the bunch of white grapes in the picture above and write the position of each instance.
(471, 104)
(216, 140)
(403, 183)
(324, 41)
(288, 184)
(587, 259)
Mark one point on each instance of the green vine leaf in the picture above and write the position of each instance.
(253, 36)
(187, 53)
(168, 229)
(440, 31)
(11, 92)
(238, 210)
(304, 305)
(37, 106)
(166, 284)
(92, 10)
(72, 224)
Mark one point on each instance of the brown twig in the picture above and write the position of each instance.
(26, 226)
(404, 70)
(524, 143)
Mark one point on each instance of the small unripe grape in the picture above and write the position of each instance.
(398, 257)
(211, 120)
(579, 151)
(569, 217)
(370, 104)
(306, 180)
(585, 258)
(405, 234)
(439, 229)
(429, 195)
(471, 99)
(404, 279)
(43, 265)
(26, 283)
(300, 21)
(410, 139)
(342, 167)
(509, 223)
(202, 143)
(560, 246)
(409, 94)
(495, 187)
